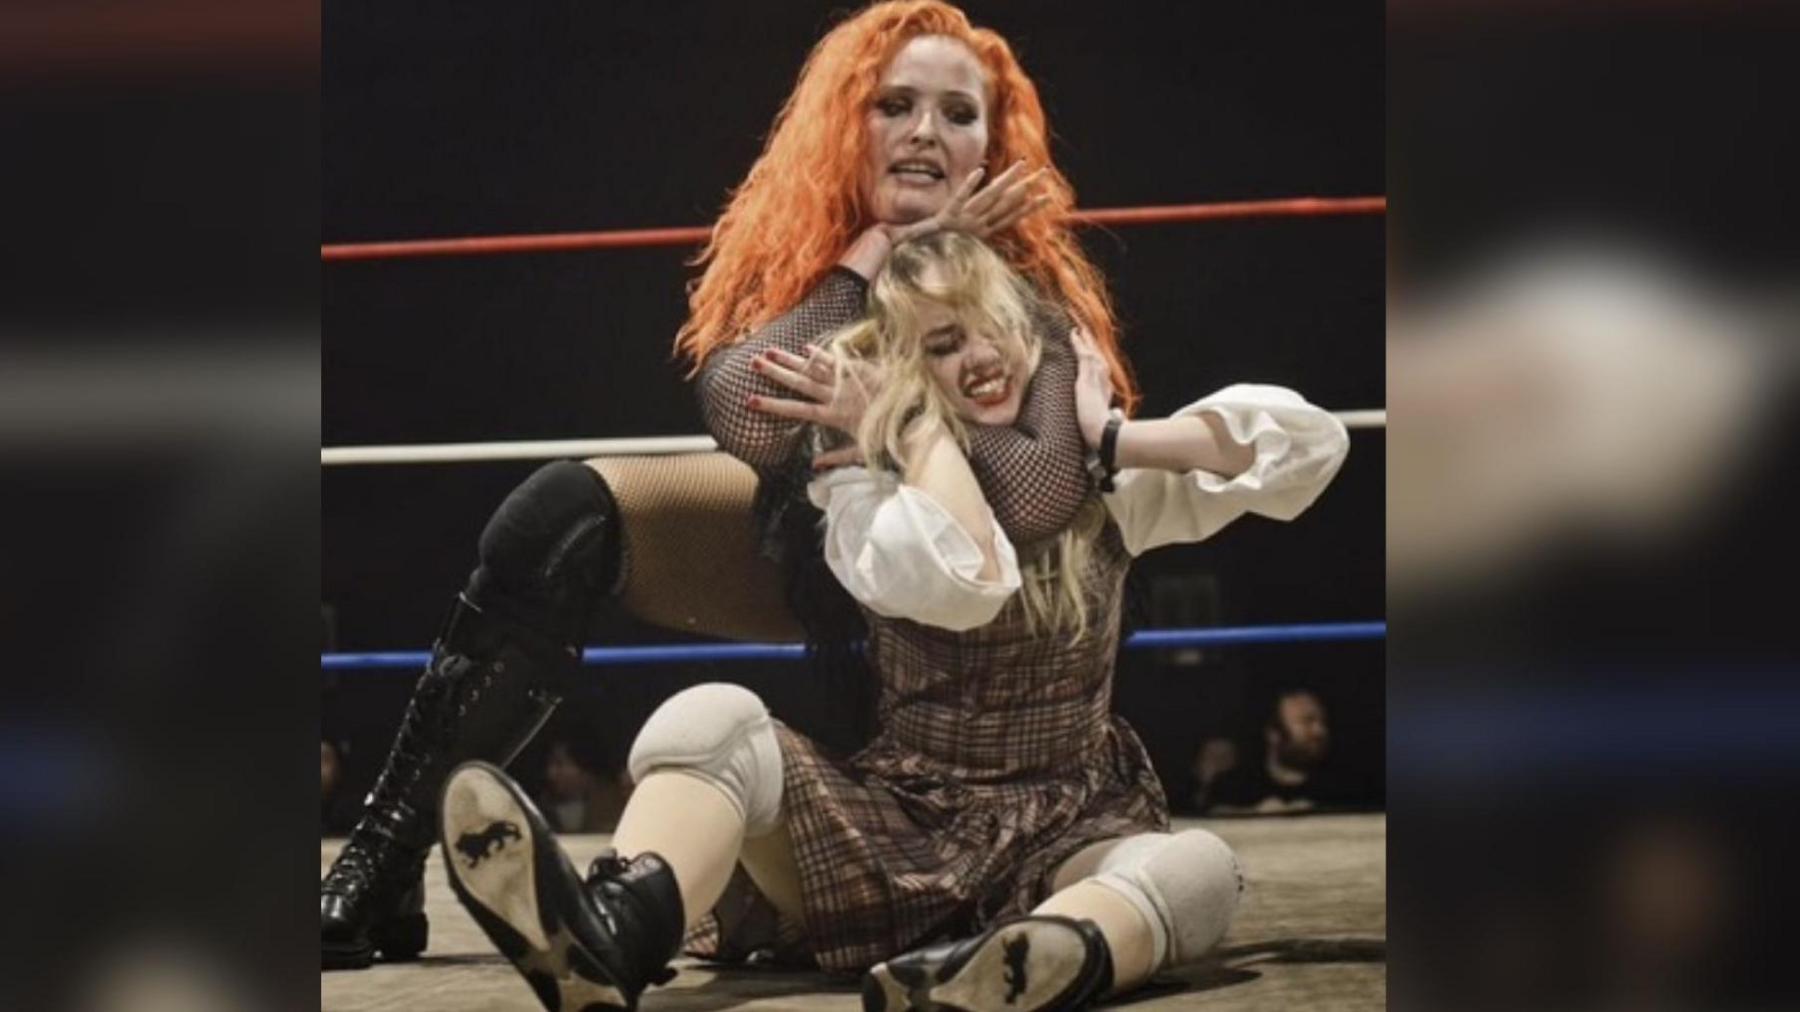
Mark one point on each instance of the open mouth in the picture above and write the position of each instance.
(987, 390)
(916, 170)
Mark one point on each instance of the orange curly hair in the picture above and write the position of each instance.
(802, 203)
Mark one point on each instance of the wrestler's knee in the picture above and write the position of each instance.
(722, 734)
(1188, 886)
(551, 551)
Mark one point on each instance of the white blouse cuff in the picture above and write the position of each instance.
(1298, 449)
(899, 552)
(1269, 420)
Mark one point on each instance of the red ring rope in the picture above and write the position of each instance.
(630, 238)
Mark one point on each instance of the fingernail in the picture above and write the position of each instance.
(756, 365)
(755, 402)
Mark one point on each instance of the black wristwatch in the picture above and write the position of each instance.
(1104, 467)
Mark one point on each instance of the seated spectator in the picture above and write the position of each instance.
(1217, 757)
(337, 813)
(1293, 774)
(585, 794)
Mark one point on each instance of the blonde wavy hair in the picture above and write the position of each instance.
(802, 202)
(966, 277)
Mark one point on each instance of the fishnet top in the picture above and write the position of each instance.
(1032, 473)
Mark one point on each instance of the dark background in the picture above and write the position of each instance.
(448, 119)
(1613, 697)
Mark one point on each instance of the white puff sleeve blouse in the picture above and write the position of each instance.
(903, 556)
(1299, 448)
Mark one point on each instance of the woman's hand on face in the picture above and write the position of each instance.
(1093, 387)
(826, 401)
(995, 208)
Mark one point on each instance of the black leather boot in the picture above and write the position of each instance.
(549, 555)
(1037, 963)
(484, 694)
(582, 944)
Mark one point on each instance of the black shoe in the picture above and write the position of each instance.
(582, 945)
(372, 901)
(1037, 963)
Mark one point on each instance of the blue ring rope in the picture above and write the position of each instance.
(675, 653)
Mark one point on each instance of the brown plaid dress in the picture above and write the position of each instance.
(997, 758)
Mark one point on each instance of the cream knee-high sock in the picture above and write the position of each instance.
(693, 826)
(1127, 934)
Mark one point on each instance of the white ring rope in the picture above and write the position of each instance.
(549, 449)
(1367, 418)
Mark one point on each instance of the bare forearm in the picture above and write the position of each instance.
(936, 466)
(868, 254)
(1186, 443)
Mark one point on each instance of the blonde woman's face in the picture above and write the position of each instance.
(982, 376)
(928, 129)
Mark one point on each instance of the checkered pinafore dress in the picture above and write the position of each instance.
(996, 758)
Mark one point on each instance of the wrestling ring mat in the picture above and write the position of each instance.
(1312, 933)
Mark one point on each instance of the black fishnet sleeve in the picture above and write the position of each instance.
(727, 381)
(1034, 473)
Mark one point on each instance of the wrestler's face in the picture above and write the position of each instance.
(983, 377)
(928, 129)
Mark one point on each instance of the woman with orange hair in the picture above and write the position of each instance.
(1000, 817)
(859, 158)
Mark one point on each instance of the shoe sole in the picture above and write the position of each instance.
(1054, 959)
(508, 871)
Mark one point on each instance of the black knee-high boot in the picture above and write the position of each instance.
(510, 645)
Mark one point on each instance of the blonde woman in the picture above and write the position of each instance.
(1002, 841)
(996, 660)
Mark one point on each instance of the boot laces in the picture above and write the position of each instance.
(358, 865)
(606, 870)
(351, 872)
(424, 728)
(608, 866)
